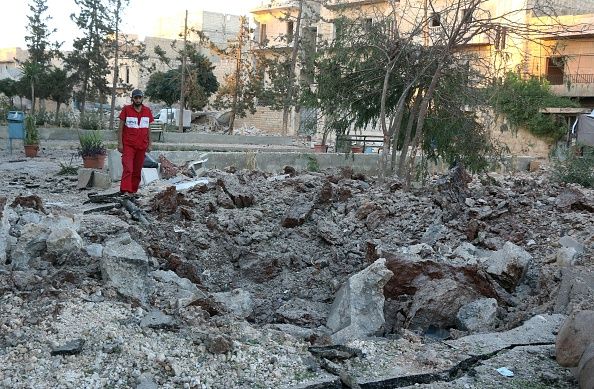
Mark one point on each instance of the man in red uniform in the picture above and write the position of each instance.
(134, 139)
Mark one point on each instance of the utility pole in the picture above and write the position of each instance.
(183, 77)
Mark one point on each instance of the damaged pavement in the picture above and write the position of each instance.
(247, 279)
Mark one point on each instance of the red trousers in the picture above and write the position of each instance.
(132, 161)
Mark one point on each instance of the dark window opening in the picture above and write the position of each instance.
(263, 37)
(467, 15)
(367, 24)
(290, 31)
(435, 20)
(127, 75)
(555, 70)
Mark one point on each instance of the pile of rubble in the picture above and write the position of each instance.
(302, 279)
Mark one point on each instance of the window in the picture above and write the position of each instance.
(555, 70)
(435, 20)
(466, 15)
(263, 37)
(290, 31)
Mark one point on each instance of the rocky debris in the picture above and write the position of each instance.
(585, 368)
(576, 291)
(540, 329)
(238, 301)
(574, 337)
(335, 352)
(508, 265)
(218, 344)
(125, 266)
(572, 198)
(168, 169)
(358, 308)
(290, 274)
(424, 292)
(478, 315)
(169, 290)
(32, 202)
(241, 197)
(297, 214)
(168, 201)
(157, 320)
(302, 312)
(70, 348)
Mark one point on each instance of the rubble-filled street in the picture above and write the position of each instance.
(298, 279)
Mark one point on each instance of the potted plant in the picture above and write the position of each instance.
(31, 141)
(92, 150)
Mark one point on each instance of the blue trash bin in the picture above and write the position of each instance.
(16, 126)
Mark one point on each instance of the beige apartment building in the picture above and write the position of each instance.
(564, 56)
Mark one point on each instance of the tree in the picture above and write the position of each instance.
(409, 74)
(88, 61)
(117, 6)
(240, 88)
(41, 51)
(201, 82)
(9, 88)
(59, 88)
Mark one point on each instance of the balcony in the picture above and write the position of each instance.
(338, 4)
(274, 5)
(572, 85)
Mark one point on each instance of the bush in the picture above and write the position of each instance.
(91, 144)
(573, 166)
(520, 101)
(31, 132)
(91, 121)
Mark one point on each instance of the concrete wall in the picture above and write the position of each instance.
(70, 134)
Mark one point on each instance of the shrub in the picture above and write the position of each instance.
(91, 121)
(91, 144)
(571, 166)
(31, 132)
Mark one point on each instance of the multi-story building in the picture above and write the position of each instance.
(562, 55)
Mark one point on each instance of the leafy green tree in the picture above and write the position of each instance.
(41, 51)
(59, 87)
(9, 88)
(88, 61)
(520, 100)
(201, 83)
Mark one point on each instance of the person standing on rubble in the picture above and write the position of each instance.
(134, 140)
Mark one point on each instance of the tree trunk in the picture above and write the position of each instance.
(421, 119)
(57, 112)
(116, 68)
(293, 65)
(237, 87)
(32, 97)
(409, 126)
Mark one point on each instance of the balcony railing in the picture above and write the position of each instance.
(569, 79)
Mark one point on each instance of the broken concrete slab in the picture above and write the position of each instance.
(125, 266)
(238, 301)
(92, 178)
(508, 265)
(70, 348)
(148, 175)
(101, 180)
(576, 291)
(540, 329)
(157, 320)
(114, 165)
(478, 315)
(85, 178)
(62, 241)
(358, 308)
(173, 290)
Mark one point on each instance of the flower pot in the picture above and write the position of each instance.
(31, 150)
(320, 148)
(94, 162)
(356, 149)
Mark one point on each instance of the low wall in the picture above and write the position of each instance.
(169, 137)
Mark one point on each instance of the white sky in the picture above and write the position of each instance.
(139, 16)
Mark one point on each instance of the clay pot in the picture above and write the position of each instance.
(31, 150)
(94, 162)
